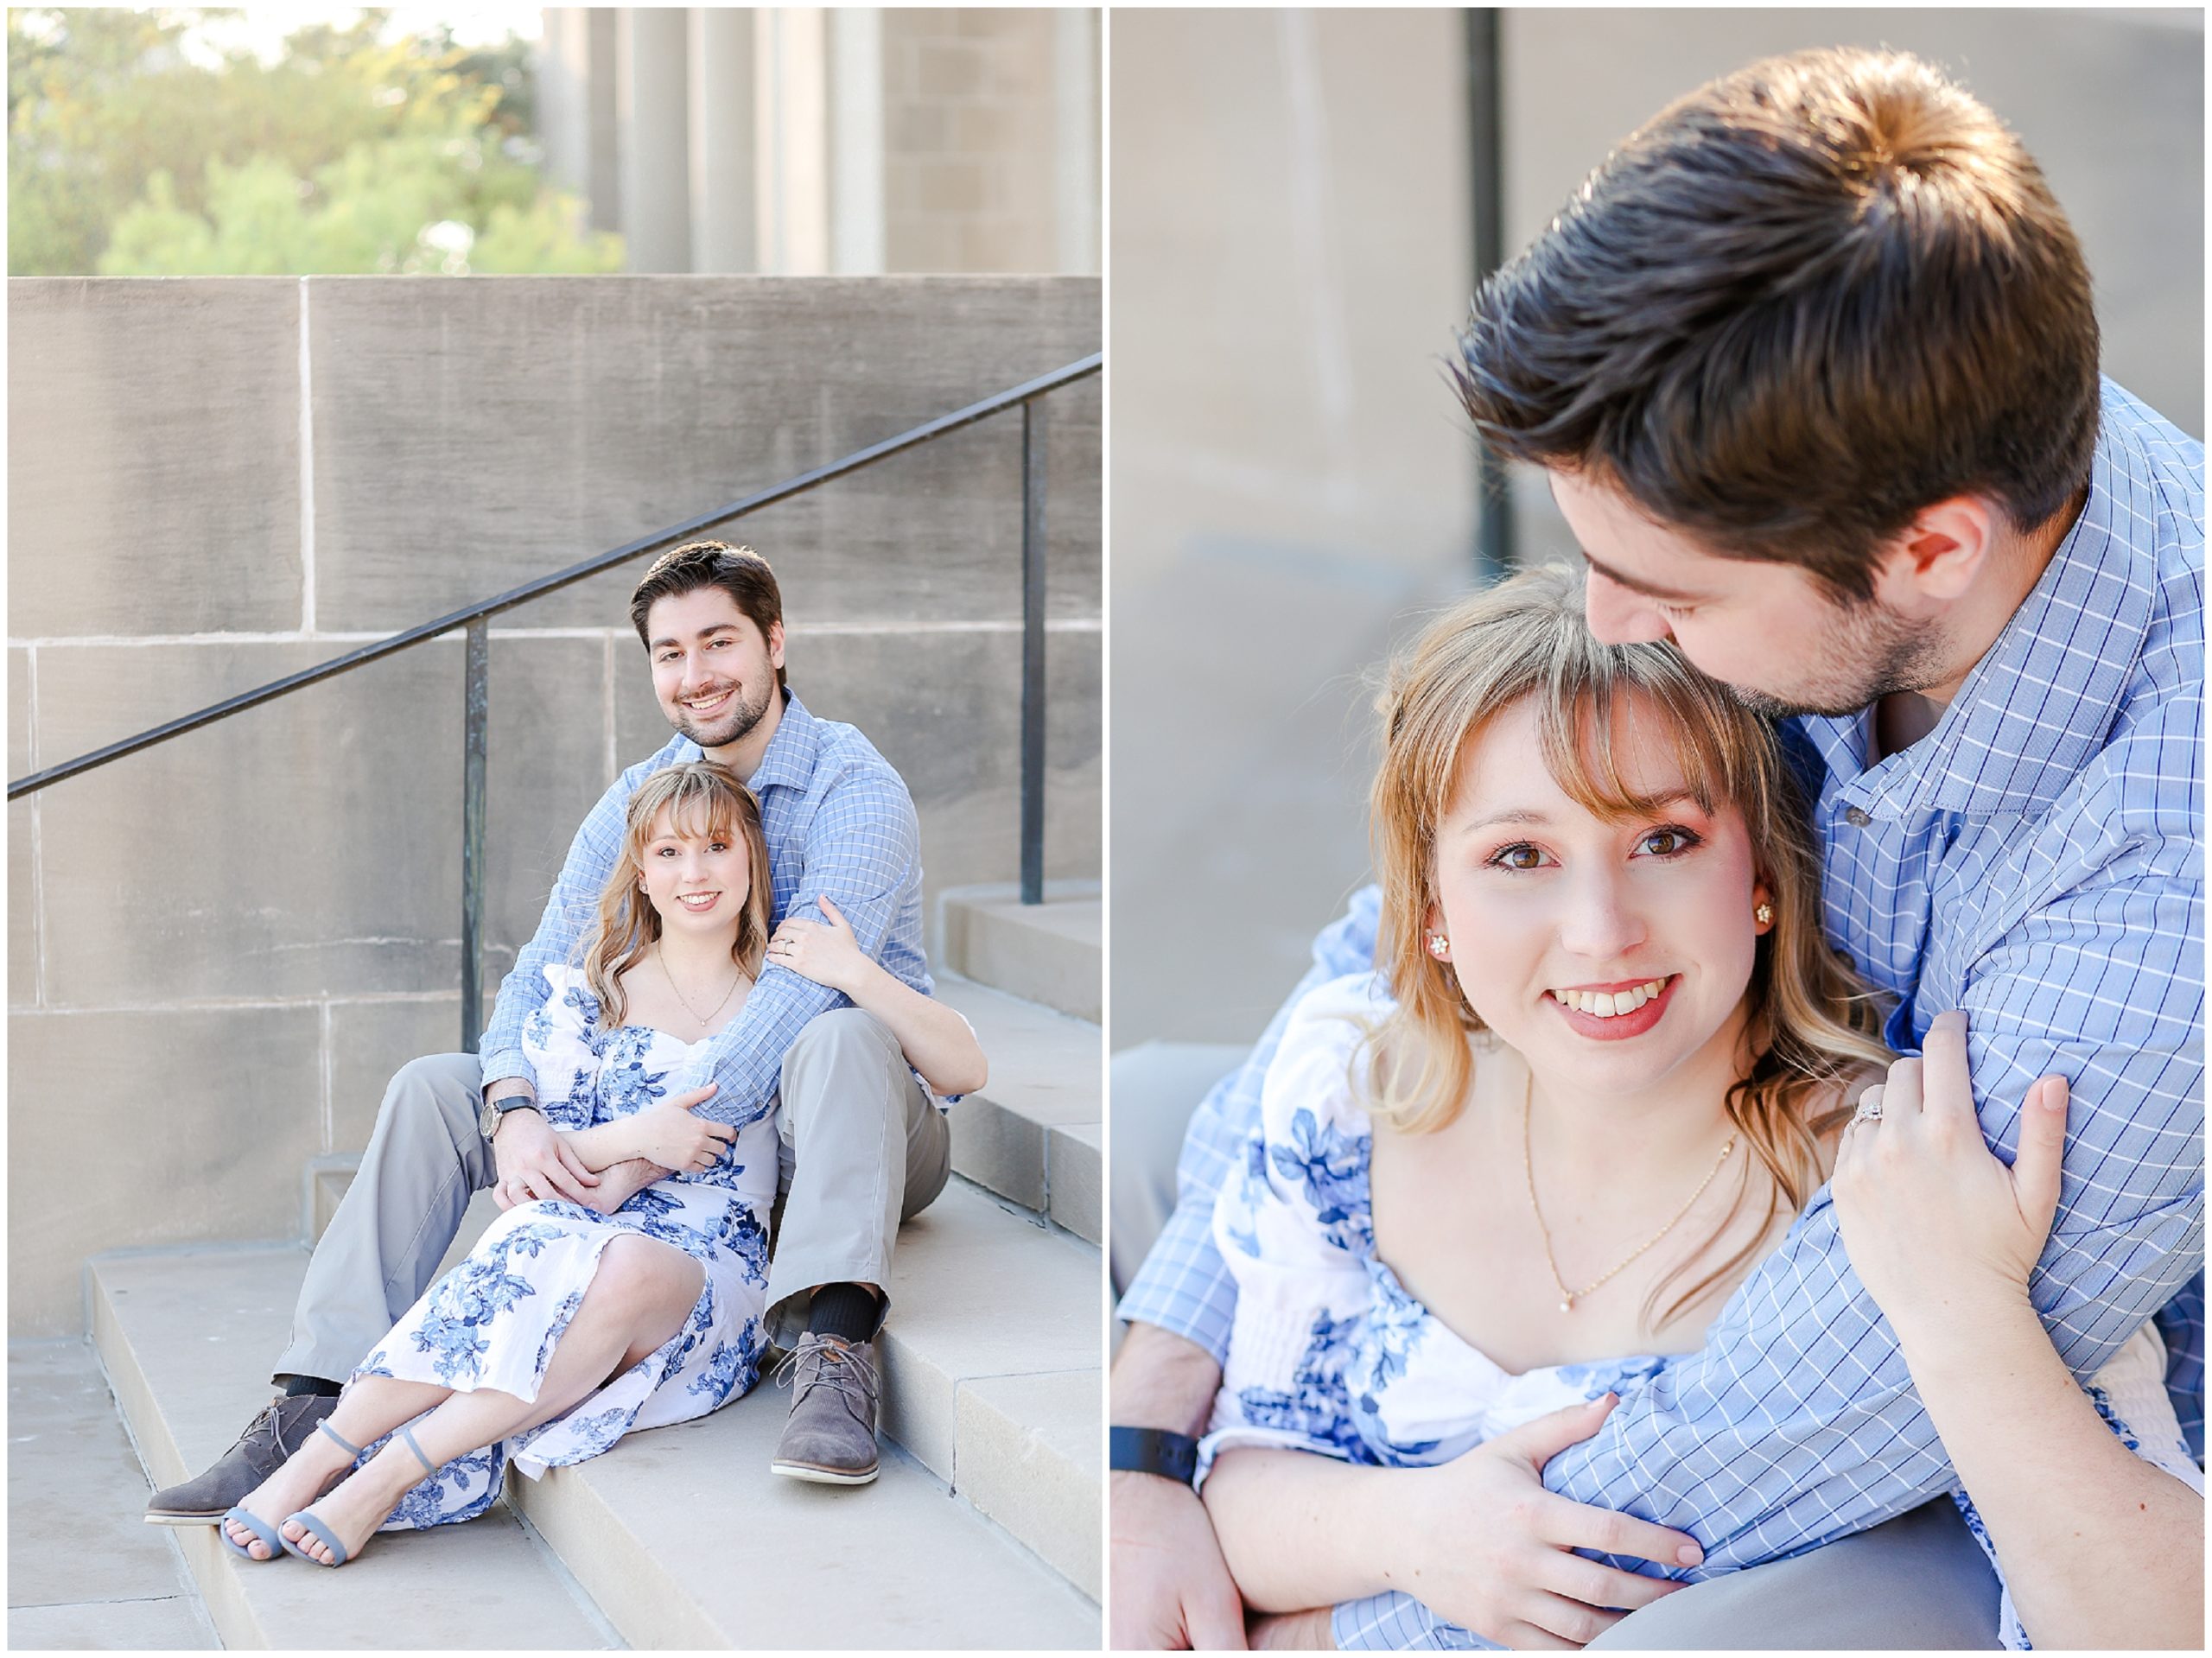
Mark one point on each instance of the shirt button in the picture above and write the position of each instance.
(1856, 818)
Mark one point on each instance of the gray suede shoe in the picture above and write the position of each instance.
(831, 1435)
(268, 1439)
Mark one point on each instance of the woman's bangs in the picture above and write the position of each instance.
(1581, 738)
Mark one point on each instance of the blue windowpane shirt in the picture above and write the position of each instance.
(838, 820)
(2038, 860)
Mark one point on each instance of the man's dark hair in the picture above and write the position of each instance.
(738, 571)
(1797, 307)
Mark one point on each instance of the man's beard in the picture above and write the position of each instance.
(733, 726)
(1874, 653)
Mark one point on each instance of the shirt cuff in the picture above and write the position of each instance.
(503, 1064)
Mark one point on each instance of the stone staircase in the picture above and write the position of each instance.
(983, 1530)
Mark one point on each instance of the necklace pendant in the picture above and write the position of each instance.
(1568, 1306)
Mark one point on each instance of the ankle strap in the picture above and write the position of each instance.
(331, 1433)
(407, 1432)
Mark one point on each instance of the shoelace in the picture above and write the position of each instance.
(837, 1369)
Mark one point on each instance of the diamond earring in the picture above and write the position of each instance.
(1764, 915)
(1440, 946)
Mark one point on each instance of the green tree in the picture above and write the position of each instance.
(347, 154)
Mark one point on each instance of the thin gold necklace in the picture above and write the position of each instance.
(1568, 1297)
(688, 1008)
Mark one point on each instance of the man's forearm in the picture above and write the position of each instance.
(509, 1088)
(1162, 1380)
(2101, 1548)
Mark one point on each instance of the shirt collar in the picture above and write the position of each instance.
(789, 761)
(2040, 701)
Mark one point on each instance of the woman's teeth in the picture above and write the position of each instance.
(698, 901)
(1611, 1004)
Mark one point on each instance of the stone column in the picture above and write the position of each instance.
(856, 140)
(602, 172)
(725, 202)
(654, 125)
(1075, 113)
(563, 76)
(790, 75)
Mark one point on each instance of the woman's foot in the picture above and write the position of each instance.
(351, 1511)
(299, 1480)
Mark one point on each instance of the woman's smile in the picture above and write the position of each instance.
(1615, 1012)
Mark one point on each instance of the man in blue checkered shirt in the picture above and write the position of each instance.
(864, 1144)
(1811, 364)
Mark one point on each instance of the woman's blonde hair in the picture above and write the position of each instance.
(704, 799)
(1813, 1024)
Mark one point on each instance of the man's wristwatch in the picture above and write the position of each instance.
(487, 1120)
(1152, 1451)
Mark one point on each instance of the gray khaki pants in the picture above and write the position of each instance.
(1919, 1583)
(863, 1147)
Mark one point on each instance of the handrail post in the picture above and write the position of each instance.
(1032, 652)
(475, 706)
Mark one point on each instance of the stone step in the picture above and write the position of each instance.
(991, 1362)
(1032, 1132)
(187, 1341)
(1050, 952)
(679, 1537)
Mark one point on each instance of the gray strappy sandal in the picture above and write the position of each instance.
(267, 1534)
(321, 1533)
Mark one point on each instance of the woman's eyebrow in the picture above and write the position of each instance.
(1516, 815)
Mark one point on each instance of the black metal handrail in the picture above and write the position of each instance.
(475, 621)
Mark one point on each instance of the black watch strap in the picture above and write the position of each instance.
(1152, 1451)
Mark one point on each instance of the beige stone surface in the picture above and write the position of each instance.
(370, 1040)
(160, 1090)
(168, 1624)
(153, 454)
(83, 1568)
(1050, 952)
(685, 1539)
(22, 905)
(1044, 1071)
(701, 390)
(188, 1341)
(311, 846)
(979, 1291)
(1074, 1175)
(1028, 1457)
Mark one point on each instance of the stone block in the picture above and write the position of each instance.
(1029, 1459)
(23, 906)
(20, 671)
(207, 1116)
(1050, 952)
(172, 1623)
(369, 1041)
(187, 1340)
(71, 1466)
(602, 410)
(1044, 1313)
(952, 186)
(311, 846)
(918, 129)
(153, 456)
(1075, 1157)
(950, 69)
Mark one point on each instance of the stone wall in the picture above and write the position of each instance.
(219, 948)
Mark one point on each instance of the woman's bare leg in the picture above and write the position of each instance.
(639, 1296)
(370, 1408)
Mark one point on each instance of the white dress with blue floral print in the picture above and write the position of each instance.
(495, 1319)
(1329, 1353)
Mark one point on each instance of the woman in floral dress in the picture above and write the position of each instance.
(566, 1328)
(1474, 1213)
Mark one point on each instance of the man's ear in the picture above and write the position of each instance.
(1938, 556)
(776, 643)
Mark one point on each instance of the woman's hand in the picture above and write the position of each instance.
(826, 953)
(668, 1134)
(1932, 1219)
(1503, 1564)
